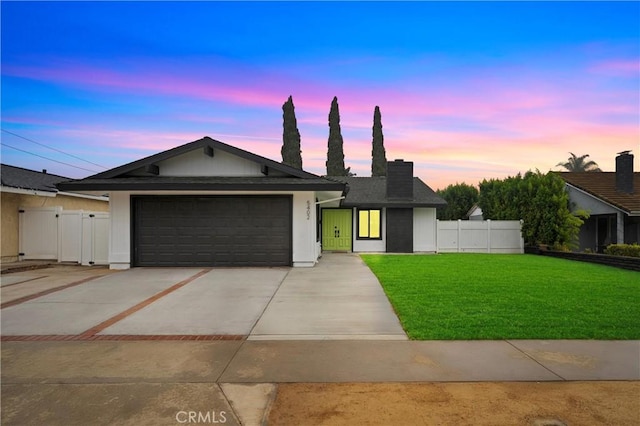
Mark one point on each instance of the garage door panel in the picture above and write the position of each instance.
(212, 231)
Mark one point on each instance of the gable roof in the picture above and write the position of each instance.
(19, 178)
(372, 192)
(200, 143)
(128, 177)
(602, 185)
(474, 209)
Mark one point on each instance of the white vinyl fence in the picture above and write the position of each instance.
(51, 233)
(474, 236)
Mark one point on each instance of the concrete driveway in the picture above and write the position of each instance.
(339, 298)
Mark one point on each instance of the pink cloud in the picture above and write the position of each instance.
(618, 67)
(479, 126)
(149, 82)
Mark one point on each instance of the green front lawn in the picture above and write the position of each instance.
(495, 296)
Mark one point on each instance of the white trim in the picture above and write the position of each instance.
(14, 190)
(87, 196)
(598, 199)
(330, 200)
(27, 191)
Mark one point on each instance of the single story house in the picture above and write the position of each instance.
(23, 188)
(613, 202)
(207, 203)
(395, 214)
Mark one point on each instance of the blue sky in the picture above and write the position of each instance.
(467, 90)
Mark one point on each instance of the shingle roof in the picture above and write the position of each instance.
(372, 192)
(17, 177)
(127, 177)
(603, 186)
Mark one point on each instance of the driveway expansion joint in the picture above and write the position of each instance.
(25, 281)
(536, 361)
(123, 337)
(122, 315)
(45, 292)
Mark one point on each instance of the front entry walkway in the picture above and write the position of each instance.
(340, 298)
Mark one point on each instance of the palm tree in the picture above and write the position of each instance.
(578, 164)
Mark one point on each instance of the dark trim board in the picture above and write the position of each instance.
(203, 184)
(399, 230)
(206, 231)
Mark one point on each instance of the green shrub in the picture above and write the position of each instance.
(631, 250)
(540, 201)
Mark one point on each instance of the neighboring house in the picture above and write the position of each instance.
(613, 202)
(207, 203)
(23, 188)
(474, 213)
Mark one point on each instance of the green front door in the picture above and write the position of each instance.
(336, 229)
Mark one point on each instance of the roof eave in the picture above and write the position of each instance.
(28, 191)
(182, 186)
(397, 205)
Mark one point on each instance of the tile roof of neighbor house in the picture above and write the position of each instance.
(127, 177)
(17, 177)
(603, 186)
(372, 192)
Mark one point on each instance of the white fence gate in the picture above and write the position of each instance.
(70, 236)
(64, 235)
(474, 236)
(95, 239)
(38, 233)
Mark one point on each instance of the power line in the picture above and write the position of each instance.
(53, 149)
(46, 158)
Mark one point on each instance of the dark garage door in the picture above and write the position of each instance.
(212, 231)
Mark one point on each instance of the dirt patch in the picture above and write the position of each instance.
(540, 404)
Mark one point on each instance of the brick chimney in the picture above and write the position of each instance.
(624, 172)
(400, 180)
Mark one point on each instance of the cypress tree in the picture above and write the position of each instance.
(335, 153)
(378, 153)
(291, 153)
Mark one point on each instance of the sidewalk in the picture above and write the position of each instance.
(127, 382)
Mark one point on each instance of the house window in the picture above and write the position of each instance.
(369, 225)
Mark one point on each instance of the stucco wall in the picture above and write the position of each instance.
(304, 229)
(424, 230)
(11, 203)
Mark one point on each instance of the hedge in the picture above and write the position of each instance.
(630, 250)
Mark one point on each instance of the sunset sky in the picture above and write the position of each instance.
(467, 91)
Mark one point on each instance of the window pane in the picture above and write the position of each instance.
(363, 228)
(374, 227)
